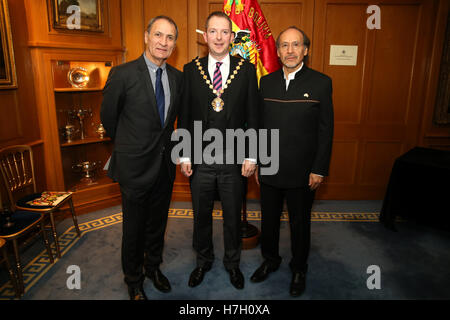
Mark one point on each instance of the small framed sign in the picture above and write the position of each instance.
(343, 55)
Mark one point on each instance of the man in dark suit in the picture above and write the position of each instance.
(140, 104)
(220, 92)
(298, 101)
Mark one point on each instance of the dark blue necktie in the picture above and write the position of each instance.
(160, 100)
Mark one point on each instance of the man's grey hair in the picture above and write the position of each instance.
(168, 19)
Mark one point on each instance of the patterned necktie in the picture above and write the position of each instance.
(160, 100)
(217, 81)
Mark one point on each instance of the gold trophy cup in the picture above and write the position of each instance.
(101, 131)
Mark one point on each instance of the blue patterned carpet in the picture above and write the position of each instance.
(414, 262)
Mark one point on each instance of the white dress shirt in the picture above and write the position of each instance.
(291, 76)
(224, 68)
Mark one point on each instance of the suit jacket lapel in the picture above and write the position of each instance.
(145, 78)
(207, 90)
(227, 93)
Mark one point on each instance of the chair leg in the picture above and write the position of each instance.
(47, 244)
(11, 272)
(18, 268)
(55, 236)
(74, 217)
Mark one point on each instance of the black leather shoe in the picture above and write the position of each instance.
(297, 284)
(137, 293)
(197, 276)
(159, 280)
(236, 278)
(262, 273)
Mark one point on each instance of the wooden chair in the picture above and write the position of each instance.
(22, 223)
(16, 164)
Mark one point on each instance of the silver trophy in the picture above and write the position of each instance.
(87, 168)
(69, 130)
(78, 77)
(81, 114)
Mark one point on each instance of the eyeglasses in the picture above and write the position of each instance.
(295, 45)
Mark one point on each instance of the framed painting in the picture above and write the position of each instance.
(78, 15)
(8, 79)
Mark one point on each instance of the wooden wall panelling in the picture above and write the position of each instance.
(205, 7)
(283, 14)
(340, 23)
(11, 119)
(178, 11)
(377, 102)
(133, 28)
(138, 13)
(376, 172)
(380, 105)
(19, 120)
(396, 99)
(431, 134)
(42, 34)
(17, 105)
(47, 120)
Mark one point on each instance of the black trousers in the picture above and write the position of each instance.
(145, 214)
(299, 204)
(205, 182)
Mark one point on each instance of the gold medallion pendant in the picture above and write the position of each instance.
(217, 104)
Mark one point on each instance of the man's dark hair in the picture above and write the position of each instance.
(218, 14)
(168, 19)
(306, 41)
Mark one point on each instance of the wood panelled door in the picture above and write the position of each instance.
(379, 101)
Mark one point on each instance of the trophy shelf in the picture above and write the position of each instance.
(76, 89)
(84, 141)
(83, 147)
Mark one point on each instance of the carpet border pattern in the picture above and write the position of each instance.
(40, 265)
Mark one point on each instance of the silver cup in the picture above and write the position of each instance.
(87, 168)
(69, 130)
(81, 115)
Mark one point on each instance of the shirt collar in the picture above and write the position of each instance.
(153, 66)
(212, 61)
(291, 75)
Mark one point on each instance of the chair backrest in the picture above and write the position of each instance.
(16, 165)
